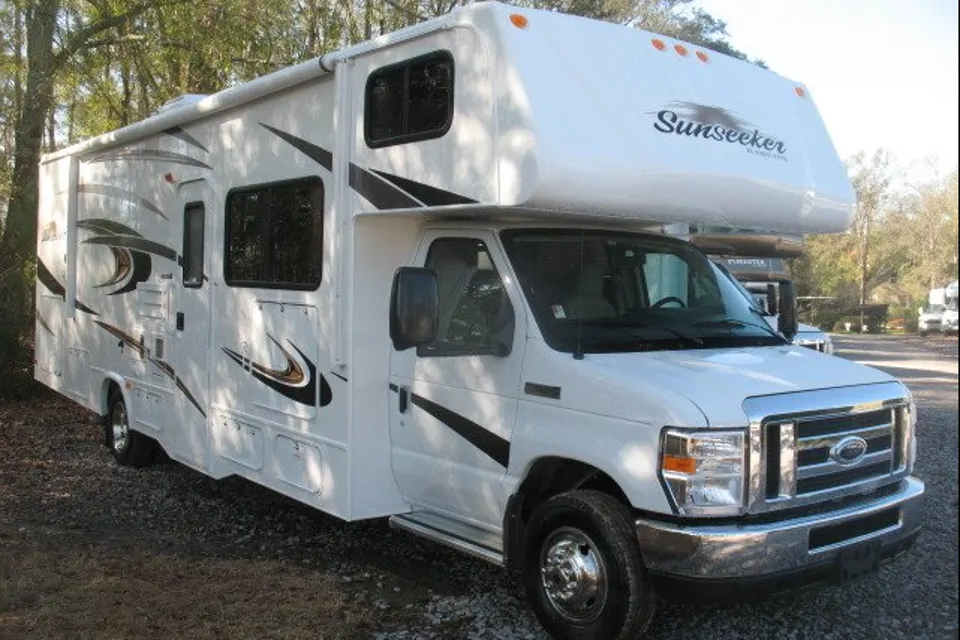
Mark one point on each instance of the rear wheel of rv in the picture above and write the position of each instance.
(129, 448)
(583, 573)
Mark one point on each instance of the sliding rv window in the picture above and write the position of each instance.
(409, 101)
(192, 265)
(274, 235)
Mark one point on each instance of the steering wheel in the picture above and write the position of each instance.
(662, 301)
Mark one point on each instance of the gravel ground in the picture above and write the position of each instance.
(88, 549)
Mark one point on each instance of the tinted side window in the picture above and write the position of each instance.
(410, 101)
(475, 312)
(192, 267)
(275, 235)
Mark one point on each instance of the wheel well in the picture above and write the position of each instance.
(549, 477)
(109, 387)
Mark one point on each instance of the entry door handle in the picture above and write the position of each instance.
(403, 399)
(179, 320)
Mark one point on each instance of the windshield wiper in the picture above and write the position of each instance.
(615, 323)
(734, 322)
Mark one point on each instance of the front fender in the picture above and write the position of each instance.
(625, 450)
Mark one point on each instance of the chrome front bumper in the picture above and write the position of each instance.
(695, 551)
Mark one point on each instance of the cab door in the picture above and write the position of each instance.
(454, 402)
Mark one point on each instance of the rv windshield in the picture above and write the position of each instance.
(609, 291)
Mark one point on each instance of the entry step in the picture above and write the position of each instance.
(458, 535)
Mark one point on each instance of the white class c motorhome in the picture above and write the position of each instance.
(423, 277)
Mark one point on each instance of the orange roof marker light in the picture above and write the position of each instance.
(800, 92)
(679, 48)
(659, 44)
(703, 56)
(519, 21)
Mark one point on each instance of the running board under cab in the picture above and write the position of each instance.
(452, 533)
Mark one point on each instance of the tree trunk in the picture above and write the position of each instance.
(864, 263)
(18, 244)
(20, 232)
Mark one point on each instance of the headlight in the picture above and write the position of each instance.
(704, 471)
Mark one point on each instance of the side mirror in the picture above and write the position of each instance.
(787, 322)
(772, 299)
(414, 307)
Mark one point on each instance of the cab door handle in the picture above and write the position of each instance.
(403, 399)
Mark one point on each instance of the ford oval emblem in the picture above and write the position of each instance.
(849, 451)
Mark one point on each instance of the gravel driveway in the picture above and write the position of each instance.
(91, 550)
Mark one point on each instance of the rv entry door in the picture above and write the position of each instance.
(192, 316)
(454, 402)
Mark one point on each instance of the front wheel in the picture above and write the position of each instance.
(583, 572)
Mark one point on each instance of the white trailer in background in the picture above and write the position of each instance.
(423, 278)
(948, 321)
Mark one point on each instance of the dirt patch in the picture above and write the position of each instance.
(92, 550)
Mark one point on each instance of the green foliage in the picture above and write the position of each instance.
(903, 240)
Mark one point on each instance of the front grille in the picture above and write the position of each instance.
(817, 437)
(820, 454)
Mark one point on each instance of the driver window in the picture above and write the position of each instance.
(476, 317)
(666, 277)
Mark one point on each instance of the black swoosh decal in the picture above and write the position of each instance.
(379, 192)
(383, 190)
(180, 134)
(430, 196)
(103, 225)
(288, 383)
(154, 155)
(495, 447)
(43, 323)
(47, 279)
(142, 267)
(120, 194)
(125, 338)
(186, 392)
(170, 373)
(123, 262)
(136, 244)
(337, 375)
(165, 367)
(128, 258)
(318, 154)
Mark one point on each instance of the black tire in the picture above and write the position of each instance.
(129, 448)
(620, 610)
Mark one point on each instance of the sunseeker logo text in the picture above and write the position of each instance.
(719, 125)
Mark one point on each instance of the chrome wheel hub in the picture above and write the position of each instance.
(121, 430)
(573, 574)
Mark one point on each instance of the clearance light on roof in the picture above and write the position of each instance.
(519, 21)
(703, 57)
(679, 48)
(800, 92)
(659, 44)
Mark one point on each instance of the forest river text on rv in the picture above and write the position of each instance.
(426, 277)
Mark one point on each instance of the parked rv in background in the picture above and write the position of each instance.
(756, 260)
(939, 314)
(948, 322)
(425, 278)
